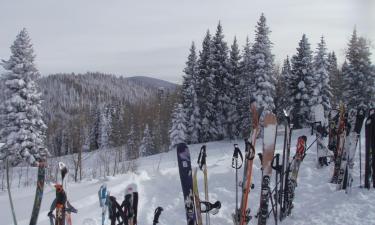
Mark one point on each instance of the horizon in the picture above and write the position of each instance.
(153, 39)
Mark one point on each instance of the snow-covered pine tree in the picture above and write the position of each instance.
(23, 133)
(206, 93)
(300, 83)
(105, 127)
(234, 93)
(189, 98)
(282, 99)
(147, 146)
(247, 87)
(132, 144)
(320, 82)
(177, 133)
(262, 66)
(222, 81)
(23, 129)
(335, 80)
(359, 79)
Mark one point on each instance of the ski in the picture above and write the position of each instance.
(130, 204)
(285, 166)
(353, 137)
(197, 201)
(320, 127)
(38, 193)
(202, 162)
(243, 216)
(184, 166)
(339, 145)
(269, 141)
(103, 200)
(370, 149)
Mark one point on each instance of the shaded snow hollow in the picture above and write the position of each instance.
(316, 201)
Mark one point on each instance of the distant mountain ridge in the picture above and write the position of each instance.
(151, 82)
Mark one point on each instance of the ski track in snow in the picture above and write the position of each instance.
(316, 201)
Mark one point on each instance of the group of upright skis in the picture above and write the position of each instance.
(286, 170)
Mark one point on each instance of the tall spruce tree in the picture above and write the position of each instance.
(177, 133)
(147, 146)
(189, 98)
(282, 99)
(222, 81)
(206, 93)
(23, 131)
(234, 93)
(300, 83)
(262, 66)
(335, 80)
(358, 79)
(320, 83)
(246, 87)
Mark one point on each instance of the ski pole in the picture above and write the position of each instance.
(236, 153)
(157, 213)
(360, 161)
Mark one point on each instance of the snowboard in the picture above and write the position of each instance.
(269, 141)
(184, 167)
(244, 212)
(370, 149)
(197, 201)
(38, 193)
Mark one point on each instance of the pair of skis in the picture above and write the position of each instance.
(194, 207)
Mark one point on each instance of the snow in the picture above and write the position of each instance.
(316, 201)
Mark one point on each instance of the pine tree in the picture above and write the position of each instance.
(222, 82)
(300, 84)
(282, 99)
(132, 144)
(105, 127)
(147, 146)
(206, 93)
(177, 133)
(335, 80)
(247, 86)
(23, 133)
(262, 66)
(234, 93)
(320, 82)
(359, 79)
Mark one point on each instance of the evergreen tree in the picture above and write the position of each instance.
(246, 87)
(282, 99)
(177, 133)
(335, 80)
(132, 144)
(300, 83)
(206, 93)
(320, 83)
(147, 146)
(234, 93)
(194, 120)
(188, 91)
(222, 82)
(105, 124)
(23, 131)
(262, 66)
(359, 79)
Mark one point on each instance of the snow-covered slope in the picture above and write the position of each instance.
(316, 201)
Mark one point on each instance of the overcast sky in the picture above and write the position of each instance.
(152, 38)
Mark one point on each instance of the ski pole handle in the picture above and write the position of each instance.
(236, 153)
(202, 157)
(157, 213)
(276, 160)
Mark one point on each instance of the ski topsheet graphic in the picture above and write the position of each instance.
(184, 166)
(269, 141)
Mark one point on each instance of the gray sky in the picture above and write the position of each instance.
(152, 38)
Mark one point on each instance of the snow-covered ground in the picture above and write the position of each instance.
(316, 201)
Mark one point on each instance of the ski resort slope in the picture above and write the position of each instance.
(316, 201)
